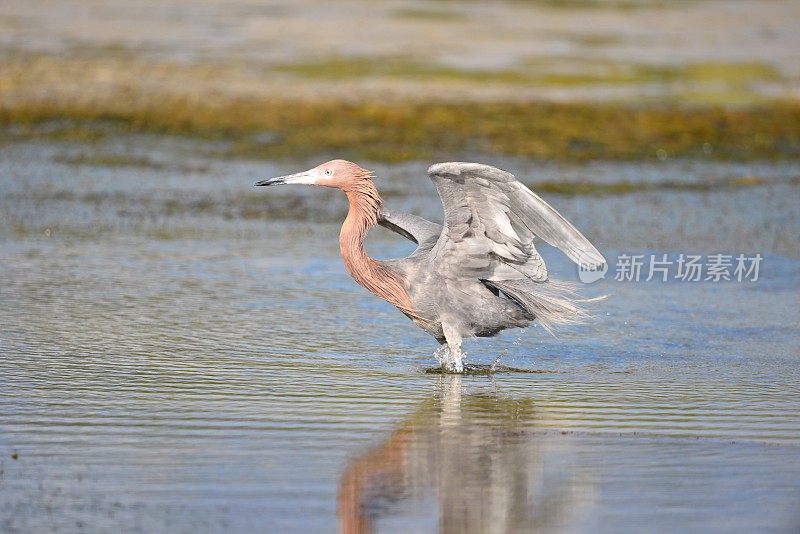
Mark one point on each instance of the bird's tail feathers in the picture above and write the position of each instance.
(553, 303)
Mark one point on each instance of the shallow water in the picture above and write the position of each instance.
(174, 356)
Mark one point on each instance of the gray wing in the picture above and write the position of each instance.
(411, 227)
(490, 222)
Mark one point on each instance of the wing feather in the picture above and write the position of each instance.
(412, 227)
(490, 224)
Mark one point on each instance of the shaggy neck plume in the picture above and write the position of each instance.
(365, 204)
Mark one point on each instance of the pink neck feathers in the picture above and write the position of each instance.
(365, 203)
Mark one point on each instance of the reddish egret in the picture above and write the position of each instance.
(476, 274)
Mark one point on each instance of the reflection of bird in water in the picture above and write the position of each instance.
(475, 275)
(468, 457)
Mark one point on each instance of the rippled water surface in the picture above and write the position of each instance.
(179, 352)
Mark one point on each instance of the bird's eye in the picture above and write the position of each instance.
(328, 172)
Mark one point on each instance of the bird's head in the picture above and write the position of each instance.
(337, 173)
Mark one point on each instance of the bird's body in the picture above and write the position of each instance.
(471, 306)
(476, 274)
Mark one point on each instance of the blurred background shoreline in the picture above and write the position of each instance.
(392, 81)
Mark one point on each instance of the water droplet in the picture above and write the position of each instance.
(497, 360)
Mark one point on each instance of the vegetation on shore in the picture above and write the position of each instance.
(407, 131)
(538, 71)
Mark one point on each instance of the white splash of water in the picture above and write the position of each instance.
(442, 354)
(445, 358)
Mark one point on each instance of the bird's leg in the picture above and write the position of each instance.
(453, 363)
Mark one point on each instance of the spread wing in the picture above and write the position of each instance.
(411, 227)
(490, 221)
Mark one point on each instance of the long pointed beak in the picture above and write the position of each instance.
(305, 177)
(271, 181)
